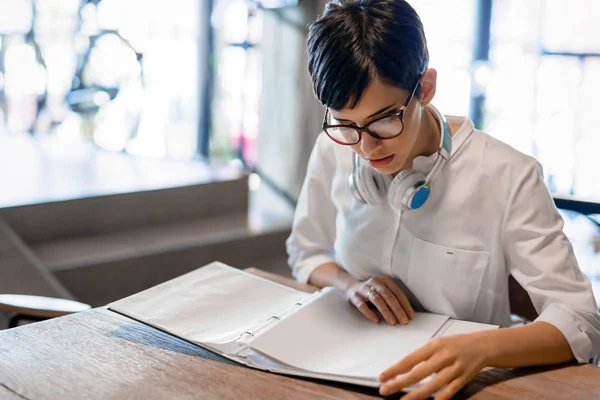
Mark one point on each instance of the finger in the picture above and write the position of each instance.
(392, 303)
(452, 388)
(407, 363)
(417, 374)
(393, 286)
(434, 385)
(376, 299)
(361, 306)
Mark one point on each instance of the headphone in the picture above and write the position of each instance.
(410, 189)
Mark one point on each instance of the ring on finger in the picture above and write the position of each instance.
(371, 290)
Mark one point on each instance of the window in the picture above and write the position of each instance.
(545, 58)
(238, 27)
(42, 94)
(449, 27)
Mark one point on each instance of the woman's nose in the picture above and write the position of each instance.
(368, 144)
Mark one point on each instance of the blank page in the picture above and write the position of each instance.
(213, 304)
(456, 327)
(330, 336)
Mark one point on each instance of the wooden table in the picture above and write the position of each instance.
(99, 354)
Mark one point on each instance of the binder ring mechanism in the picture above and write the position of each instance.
(271, 319)
(247, 333)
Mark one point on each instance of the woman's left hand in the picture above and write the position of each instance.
(454, 360)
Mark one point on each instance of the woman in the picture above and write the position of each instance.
(404, 209)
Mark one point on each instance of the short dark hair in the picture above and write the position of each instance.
(355, 41)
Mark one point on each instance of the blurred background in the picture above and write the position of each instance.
(109, 109)
(193, 78)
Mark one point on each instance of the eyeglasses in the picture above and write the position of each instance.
(386, 127)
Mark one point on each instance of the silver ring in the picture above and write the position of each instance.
(371, 290)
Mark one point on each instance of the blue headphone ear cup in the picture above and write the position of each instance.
(399, 195)
(372, 185)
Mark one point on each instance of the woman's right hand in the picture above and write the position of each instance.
(385, 295)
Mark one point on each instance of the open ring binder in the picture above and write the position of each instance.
(274, 328)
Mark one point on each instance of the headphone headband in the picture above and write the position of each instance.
(410, 188)
(445, 148)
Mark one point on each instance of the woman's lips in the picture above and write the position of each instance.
(382, 162)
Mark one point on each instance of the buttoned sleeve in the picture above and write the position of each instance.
(541, 259)
(311, 243)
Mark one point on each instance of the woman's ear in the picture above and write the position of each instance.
(428, 85)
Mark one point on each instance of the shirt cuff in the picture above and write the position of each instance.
(305, 268)
(568, 324)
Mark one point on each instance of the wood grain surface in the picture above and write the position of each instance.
(102, 355)
(99, 354)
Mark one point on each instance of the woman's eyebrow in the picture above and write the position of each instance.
(384, 109)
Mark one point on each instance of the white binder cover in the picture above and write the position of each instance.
(268, 326)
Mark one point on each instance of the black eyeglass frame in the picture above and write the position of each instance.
(365, 128)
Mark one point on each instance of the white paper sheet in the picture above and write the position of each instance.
(330, 336)
(215, 303)
(460, 327)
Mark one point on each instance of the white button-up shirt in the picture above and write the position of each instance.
(489, 215)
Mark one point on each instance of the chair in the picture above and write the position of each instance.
(28, 291)
(37, 308)
(520, 303)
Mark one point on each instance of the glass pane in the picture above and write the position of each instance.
(517, 21)
(440, 20)
(590, 97)
(587, 182)
(546, 106)
(511, 86)
(236, 28)
(238, 84)
(571, 26)
(450, 49)
(556, 110)
(156, 116)
(15, 16)
(558, 79)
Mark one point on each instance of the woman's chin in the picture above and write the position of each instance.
(388, 170)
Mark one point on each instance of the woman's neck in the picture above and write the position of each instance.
(428, 140)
